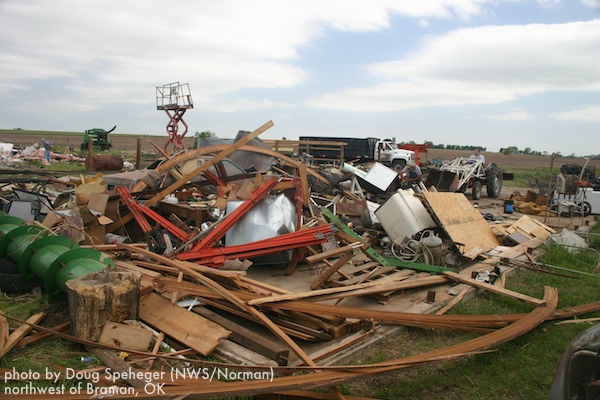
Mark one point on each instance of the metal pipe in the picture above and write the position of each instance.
(543, 265)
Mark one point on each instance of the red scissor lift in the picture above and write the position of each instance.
(175, 99)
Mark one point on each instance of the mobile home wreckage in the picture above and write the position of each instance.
(238, 253)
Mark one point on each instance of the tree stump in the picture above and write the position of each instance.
(102, 296)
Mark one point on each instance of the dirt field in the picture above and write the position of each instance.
(129, 143)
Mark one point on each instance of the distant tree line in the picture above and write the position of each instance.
(505, 150)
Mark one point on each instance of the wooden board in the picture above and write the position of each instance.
(527, 228)
(125, 336)
(462, 222)
(182, 325)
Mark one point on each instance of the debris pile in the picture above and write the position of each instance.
(279, 272)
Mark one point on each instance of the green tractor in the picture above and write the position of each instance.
(99, 138)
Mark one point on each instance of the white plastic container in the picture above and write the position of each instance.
(403, 215)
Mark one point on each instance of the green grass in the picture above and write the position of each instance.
(531, 177)
(520, 369)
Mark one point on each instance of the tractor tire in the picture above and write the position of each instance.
(398, 165)
(84, 146)
(493, 181)
(587, 208)
(476, 190)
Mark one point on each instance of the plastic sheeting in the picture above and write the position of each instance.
(569, 239)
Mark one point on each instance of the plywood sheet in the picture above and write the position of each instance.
(462, 222)
(182, 325)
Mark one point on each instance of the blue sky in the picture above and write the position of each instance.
(492, 73)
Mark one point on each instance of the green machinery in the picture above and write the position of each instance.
(99, 138)
(52, 259)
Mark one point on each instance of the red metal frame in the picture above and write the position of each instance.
(212, 238)
(216, 256)
(137, 210)
(175, 117)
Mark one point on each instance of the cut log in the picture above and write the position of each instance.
(102, 296)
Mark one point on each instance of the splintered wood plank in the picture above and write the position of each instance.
(495, 289)
(331, 270)
(125, 336)
(462, 222)
(182, 325)
(20, 333)
(3, 331)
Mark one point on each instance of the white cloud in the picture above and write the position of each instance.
(589, 113)
(490, 64)
(511, 116)
(549, 3)
(591, 3)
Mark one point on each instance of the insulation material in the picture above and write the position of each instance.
(271, 217)
(569, 239)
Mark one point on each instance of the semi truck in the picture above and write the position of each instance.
(384, 151)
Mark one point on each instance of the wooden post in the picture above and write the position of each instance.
(90, 157)
(138, 155)
(102, 296)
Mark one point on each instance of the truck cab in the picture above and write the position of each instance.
(387, 152)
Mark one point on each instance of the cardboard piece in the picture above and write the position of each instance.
(52, 219)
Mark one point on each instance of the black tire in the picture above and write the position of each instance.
(16, 284)
(398, 165)
(8, 267)
(493, 181)
(476, 190)
(83, 146)
(587, 208)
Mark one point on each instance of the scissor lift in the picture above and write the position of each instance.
(175, 99)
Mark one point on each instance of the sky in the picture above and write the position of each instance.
(489, 73)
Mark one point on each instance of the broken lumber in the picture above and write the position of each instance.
(495, 289)
(128, 337)
(182, 325)
(20, 333)
(204, 167)
(333, 269)
(248, 338)
(113, 362)
(233, 298)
